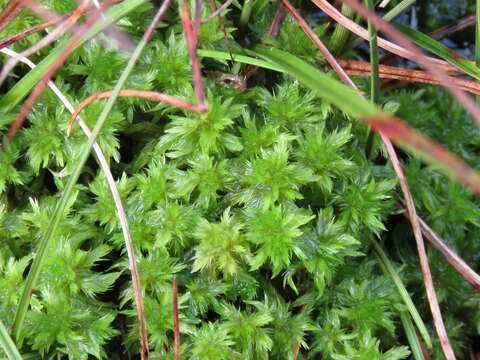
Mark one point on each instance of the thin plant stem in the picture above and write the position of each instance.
(477, 40)
(374, 73)
(176, 322)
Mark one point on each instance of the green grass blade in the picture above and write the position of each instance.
(8, 345)
(398, 9)
(59, 211)
(222, 55)
(411, 336)
(477, 40)
(341, 95)
(340, 34)
(26, 83)
(440, 50)
(390, 270)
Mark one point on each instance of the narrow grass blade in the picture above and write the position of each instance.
(7, 344)
(398, 9)
(25, 84)
(440, 50)
(411, 336)
(477, 39)
(390, 270)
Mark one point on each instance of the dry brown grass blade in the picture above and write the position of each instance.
(135, 93)
(51, 37)
(176, 323)
(9, 12)
(362, 68)
(435, 309)
(453, 259)
(27, 105)
(51, 22)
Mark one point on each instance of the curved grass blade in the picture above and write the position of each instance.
(222, 55)
(7, 344)
(25, 84)
(59, 211)
(347, 100)
(440, 50)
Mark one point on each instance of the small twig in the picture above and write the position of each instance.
(176, 323)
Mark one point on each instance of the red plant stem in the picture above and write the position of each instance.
(53, 21)
(192, 51)
(134, 93)
(362, 68)
(9, 12)
(453, 259)
(46, 78)
(176, 323)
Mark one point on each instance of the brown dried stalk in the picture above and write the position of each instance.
(453, 259)
(176, 323)
(362, 68)
(53, 21)
(54, 35)
(9, 12)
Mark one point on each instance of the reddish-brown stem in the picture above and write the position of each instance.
(46, 78)
(192, 51)
(176, 323)
(453, 259)
(9, 12)
(53, 21)
(135, 93)
(362, 68)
